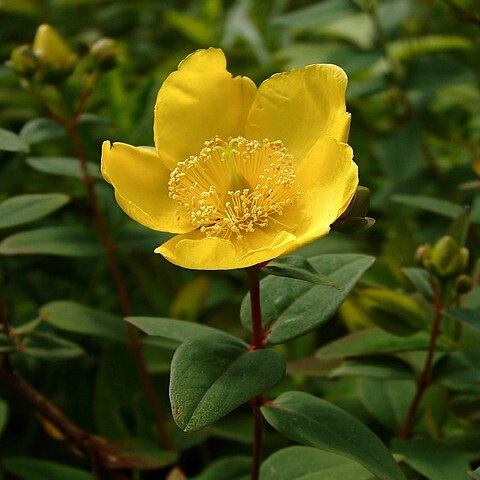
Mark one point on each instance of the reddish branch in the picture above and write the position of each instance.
(424, 380)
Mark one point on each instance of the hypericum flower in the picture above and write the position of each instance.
(241, 175)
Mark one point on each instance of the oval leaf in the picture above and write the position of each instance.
(317, 423)
(27, 208)
(228, 468)
(291, 308)
(307, 463)
(40, 129)
(32, 469)
(49, 347)
(11, 142)
(66, 167)
(467, 316)
(210, 378)
(374, 367)
(62, 241)
(73, 317)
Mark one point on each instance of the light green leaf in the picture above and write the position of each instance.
(49, 347)
(291, 308)
(296, 266)
(434, 460)
(64, 166)
(227, 468)
(27, 208)
(372, 341)
(211, 377)
(434, 205)
(11, 142)
(32, 469)
(40, 129)
(307, 463)
(475, 474)
(467, 316)
(317, 423)
(62, 241)
(178, 330)
(387, 401)
(73, 317)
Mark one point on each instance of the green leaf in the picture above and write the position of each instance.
(62, 241)
(11, 142)
(420, 279)
(32, 469)
(317, 423)
(467, 316)
(211, 377)
(434, 460)
(459, 367)
(178, 330)
(73, 317)
(387, 401)
(49, 347)
(27, 208)
(41, 129)
(298, 267)
(382, 367)
(227, 468)
(373, 341)
(307, 463)
(237, 427)
(64, 166)
(291, 307)
(475, 474)
(3, 414)
(442, 207)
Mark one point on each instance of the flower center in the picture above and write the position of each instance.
(231, 187)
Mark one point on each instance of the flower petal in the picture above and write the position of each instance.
(328, 177)
(141, 186)
(300, 106)
(194, 250)
(197, 102)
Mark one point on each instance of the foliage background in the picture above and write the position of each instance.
(413, 70)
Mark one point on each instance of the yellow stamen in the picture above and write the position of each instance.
(235, 186)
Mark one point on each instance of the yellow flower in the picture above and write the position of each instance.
(241, 175)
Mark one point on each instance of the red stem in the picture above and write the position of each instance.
(424, 380)
(257, 343)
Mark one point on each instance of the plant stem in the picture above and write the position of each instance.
(71, 126)
(424, 380)
(257, 343)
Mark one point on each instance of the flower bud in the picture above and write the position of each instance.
(23, 61)
(52, 50)
(446, 258)
(463, 284)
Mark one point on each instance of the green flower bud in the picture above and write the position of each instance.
(24, 61)
(360, 203)
(463, 284)
(446, 258)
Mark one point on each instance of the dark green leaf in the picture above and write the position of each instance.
(66, 167)
(420, 279)
(27, 208)
(211, 377)
(460, 367)
(387, 401)
(3, 414)
(442, 207)
(298, 267)
(228, 468)
(237, 427)
(465, 315)
(317, 423)
(307, 463)
(370, 342)
(73, 317)
(291, 308)
(40, 129)
(32, 469)
(382, 367)
(178, 330)
(49, 347)
(62, 241)
(436, 461)
(11, 142)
